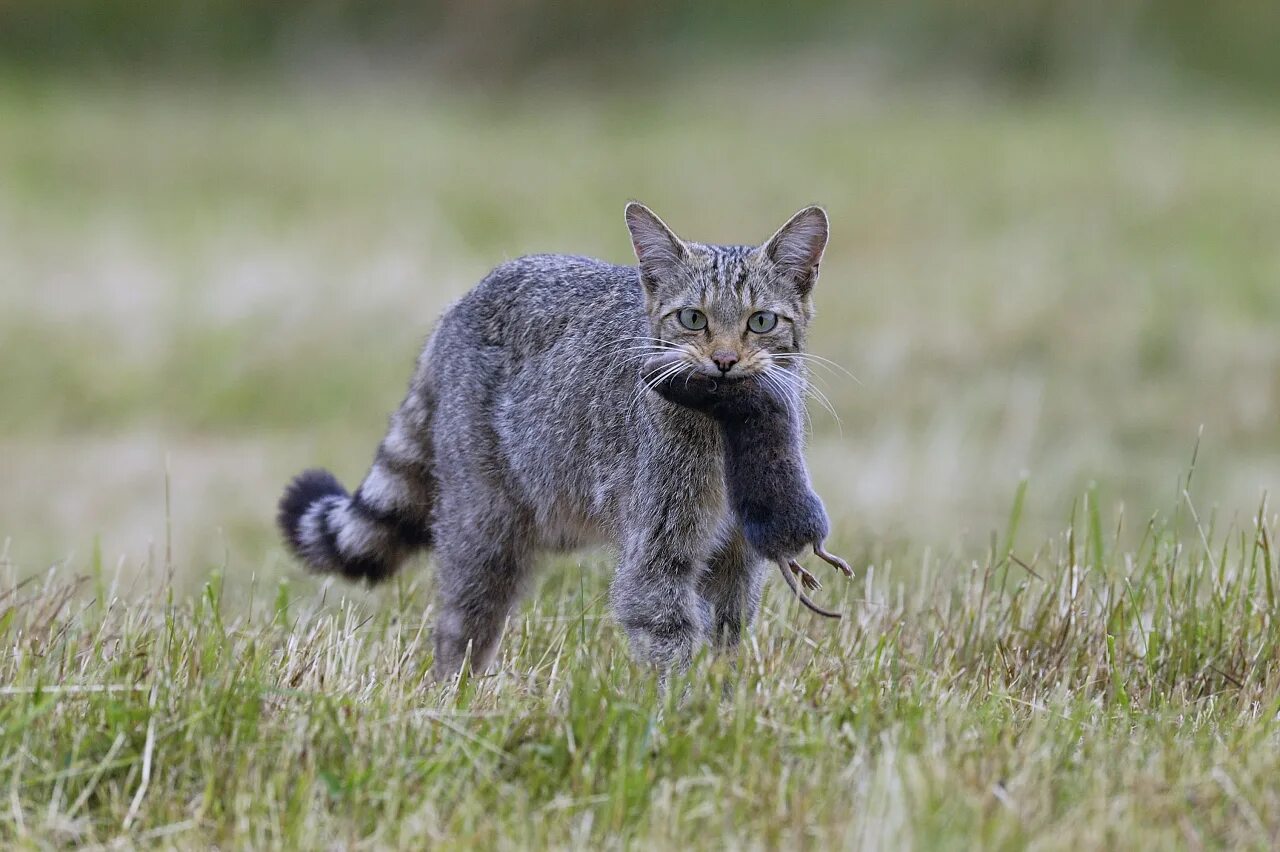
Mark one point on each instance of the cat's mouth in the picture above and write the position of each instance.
(672, 365)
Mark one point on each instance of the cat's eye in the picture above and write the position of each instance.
(692, 319)
(762, 322)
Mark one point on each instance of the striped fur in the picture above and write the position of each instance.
(369, 534)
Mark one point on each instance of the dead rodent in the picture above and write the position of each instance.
(768, 485)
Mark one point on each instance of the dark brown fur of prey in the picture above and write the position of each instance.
(768, 485)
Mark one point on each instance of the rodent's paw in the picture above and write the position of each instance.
(830, 558)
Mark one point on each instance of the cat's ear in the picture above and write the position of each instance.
(660, 252)
(796, 249)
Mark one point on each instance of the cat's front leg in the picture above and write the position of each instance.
(655, 598)
(731, 588)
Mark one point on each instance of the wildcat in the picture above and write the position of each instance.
(530, 425)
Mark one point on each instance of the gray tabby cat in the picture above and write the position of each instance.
(531, 425)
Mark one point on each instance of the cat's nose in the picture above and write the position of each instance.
(725, 359)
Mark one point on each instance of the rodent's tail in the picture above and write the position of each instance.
(369, 534)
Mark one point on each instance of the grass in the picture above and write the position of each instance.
(1074, 694)
(1045, 301)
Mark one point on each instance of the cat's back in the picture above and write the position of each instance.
(537, 302)
(534, 376)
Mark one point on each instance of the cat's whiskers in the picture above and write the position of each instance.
(783, 385)
(648, 385)
(817, 379)
(827, 404)
(775, 384)
(803, 385)
(660, 374)
(646, 338)
(805, 359)
(671, 349)
(644, 355)
(788, 388)
(665, 372)
(817, 361)
(641, 352)
(648, 346)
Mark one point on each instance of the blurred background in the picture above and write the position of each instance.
(226, 227)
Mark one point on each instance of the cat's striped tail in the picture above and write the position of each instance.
(369, 534)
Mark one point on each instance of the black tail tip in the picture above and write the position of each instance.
(304, 490)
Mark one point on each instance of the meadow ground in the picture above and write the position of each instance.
(204, 291)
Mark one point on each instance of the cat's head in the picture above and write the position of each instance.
(729, 312)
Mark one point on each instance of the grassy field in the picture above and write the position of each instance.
(1059, 636)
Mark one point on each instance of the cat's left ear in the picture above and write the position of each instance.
(796, 249)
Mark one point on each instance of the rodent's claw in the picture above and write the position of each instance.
(806, 579)
(788, 568)
(831, 558)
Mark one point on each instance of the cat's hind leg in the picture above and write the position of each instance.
(484, 546)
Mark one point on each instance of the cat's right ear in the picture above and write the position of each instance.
(660, 252)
